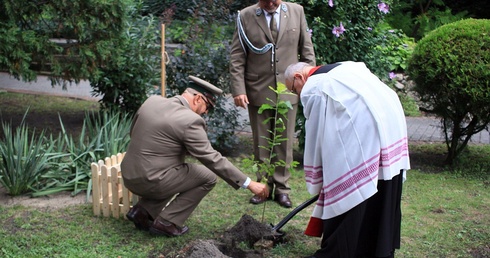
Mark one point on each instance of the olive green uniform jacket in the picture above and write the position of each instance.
(253, 73)
(163, 132)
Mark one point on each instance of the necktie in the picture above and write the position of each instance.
(273, 26)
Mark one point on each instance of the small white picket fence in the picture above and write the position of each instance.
(109, 195)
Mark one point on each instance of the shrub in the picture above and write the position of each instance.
(395, 49)
(451, 69)
(204, 52)
(125, 81)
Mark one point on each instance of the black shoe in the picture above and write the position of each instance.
(140, 217)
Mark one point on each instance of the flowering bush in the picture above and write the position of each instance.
(394, 49)
(343, 30)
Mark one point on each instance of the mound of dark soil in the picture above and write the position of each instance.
(258, 236)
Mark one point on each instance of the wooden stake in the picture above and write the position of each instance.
(163, 61)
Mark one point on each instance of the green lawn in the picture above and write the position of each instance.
(444, 215)
(445, 211)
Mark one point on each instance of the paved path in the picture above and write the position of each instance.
(424, 129)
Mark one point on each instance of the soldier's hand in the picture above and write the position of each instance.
(259, 189)
(241, 101)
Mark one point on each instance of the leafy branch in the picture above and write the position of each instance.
(280, 109)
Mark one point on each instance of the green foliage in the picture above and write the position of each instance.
(444, 215)
(182, 10)
(417, 18)
(395, 49)
(41, 165)
(357, 42)
(125, 81)
(204, 52)
(103, 134)
(109, 131)
(177, 9)
(25, 158)
(69, 40)
(410, 106)
(222, 124)
(451, 69)
(280, 108)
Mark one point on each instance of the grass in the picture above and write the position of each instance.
(44, 111)
(17, 102)
(445, 214)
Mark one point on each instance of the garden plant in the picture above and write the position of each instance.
(451, 69)
(268, 166)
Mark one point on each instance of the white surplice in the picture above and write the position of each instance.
(356, 134)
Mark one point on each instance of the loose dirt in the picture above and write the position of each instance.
(247, 230)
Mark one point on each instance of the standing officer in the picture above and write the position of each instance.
(270, 35)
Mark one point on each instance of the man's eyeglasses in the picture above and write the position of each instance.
(208, 104)
(293, 89)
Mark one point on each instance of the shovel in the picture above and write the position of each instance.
(276, 229)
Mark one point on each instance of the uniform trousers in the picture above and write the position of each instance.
(189, 183)
(284, 151)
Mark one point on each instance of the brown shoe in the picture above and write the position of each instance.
(283, 200)
(258, 199)
(140, 217)
(163, 227)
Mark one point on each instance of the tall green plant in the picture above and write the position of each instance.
(103, 134)
(109, 130)
(25, 158)
(125, 80)
(268, 166)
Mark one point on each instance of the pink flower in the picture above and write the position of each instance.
(310, 32)
(330, 3)
(383, 7)
(392, 75)
(338, 30)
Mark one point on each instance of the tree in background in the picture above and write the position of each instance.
(451, 69)
(134, 69)
(67, 40)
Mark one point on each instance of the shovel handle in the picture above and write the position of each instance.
(294, 212)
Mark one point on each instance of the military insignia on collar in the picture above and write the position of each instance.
(258, 11)
(284, 7)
